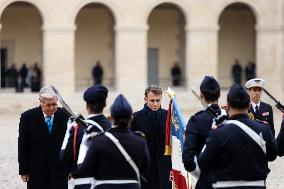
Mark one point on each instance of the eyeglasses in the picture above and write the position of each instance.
(49, 105)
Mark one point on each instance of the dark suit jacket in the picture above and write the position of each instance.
(153, 125)
(38, 150)
(265, 114)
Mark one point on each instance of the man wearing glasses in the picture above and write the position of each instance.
(41, 133)
(260, 110)
(151, 120)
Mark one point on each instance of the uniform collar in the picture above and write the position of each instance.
(254, 105)
(237, 116)
(92, 115)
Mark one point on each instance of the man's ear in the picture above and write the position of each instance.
(201, 95)
(145, 99)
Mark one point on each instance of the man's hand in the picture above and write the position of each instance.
(25, 178)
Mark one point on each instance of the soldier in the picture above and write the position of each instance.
(97, 73)
(261, 111)
(176, 74)
(151, 120)
(239, 150)
(117, 158)
(237, 72)
(197, 130)
(95, 98)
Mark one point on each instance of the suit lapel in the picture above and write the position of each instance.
(41, 122)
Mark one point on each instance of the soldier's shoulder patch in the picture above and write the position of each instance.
(95, 134)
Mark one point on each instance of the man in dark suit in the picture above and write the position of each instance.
(239, 150)
(41, 133)
(260, 110)
(95, 98)
(197, 130)
(151, 120)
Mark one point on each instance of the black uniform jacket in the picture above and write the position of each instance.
(234, 155)
(67, 154)
(38, 150)
(197, 131)
(104, 161)
(265, 114)
(153, 125)
(280, 140)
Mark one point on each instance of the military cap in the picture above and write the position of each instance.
(95, 93)
(238, 97)
(256, 82)
(120, 108)
(209, 84)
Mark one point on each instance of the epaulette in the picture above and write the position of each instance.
(95, 134)
(139, 133)
(262, 122)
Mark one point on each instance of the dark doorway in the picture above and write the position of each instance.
(3, 66)
(153, 62)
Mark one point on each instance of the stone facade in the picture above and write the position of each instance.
(125, 30)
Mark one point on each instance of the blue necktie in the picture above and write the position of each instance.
(49, 123)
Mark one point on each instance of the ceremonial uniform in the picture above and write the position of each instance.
(264, 113)
(260, 110)
(104, 160)
(152, 124)
(67, 154)
(70, 150)
(197, 131)
(38, 150)
(239, 151)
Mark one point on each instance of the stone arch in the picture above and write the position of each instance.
(116, 12)
(94, 42)
(181, 6)
(166, 45)
(236, 43)
(253, 7)
(37, 4)
(22, 42)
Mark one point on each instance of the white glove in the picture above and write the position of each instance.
(196, 173)
(70, 124)
(84, 146)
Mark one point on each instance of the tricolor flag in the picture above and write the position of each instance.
(175, 128)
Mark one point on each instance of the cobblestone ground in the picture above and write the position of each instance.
(10, 179)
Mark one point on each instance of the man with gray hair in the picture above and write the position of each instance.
(151, 121)
(41, 133)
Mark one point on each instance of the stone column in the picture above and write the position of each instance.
(131, 60)
(201, 54)
(269, 58)
(58, 57)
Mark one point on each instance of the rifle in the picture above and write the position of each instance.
(219, 119)
(278, 103)
(78, 118)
